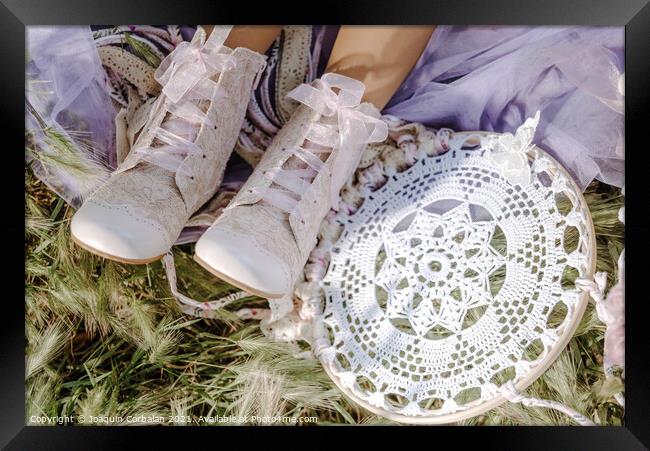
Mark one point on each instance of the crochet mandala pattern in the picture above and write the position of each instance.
(450, 280)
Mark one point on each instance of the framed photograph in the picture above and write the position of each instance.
(413, 216)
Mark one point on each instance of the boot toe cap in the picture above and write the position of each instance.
(240, 260)
(114, 233)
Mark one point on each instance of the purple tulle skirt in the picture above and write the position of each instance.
(493, 78)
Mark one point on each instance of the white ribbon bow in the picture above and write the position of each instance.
(191, 62)
(508, 152)
(354, 127)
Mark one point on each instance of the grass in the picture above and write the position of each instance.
(106, 339)
(142, 50)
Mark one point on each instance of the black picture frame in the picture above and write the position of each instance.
(634, 15)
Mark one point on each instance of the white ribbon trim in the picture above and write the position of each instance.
(594, 286)
(596, 289)
(510, 392)
(190, 306)
(354, 127)
(185, 75)
(508, 152)
(192, 62)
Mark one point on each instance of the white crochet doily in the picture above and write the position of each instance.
(453, 278)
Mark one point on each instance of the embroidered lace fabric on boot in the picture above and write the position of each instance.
(298, 172)
(189, 78)
(339, 133)
(453, 278)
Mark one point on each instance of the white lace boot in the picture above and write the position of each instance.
(262, 240)
(177, 162)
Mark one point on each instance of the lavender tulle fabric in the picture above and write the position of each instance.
(493, 78)
(65, 85)
(468, 78)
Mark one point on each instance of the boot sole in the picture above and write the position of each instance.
(234, 282)
(91, 249)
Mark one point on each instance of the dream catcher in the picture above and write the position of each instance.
(448, 285)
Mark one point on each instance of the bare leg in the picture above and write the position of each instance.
(379, 56)
(254, 37)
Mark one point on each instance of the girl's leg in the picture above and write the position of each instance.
(254, 37)
(379, 56)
